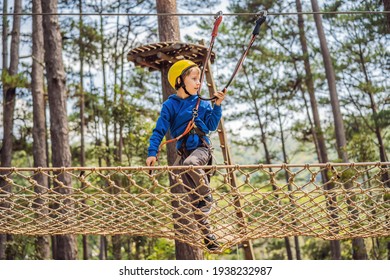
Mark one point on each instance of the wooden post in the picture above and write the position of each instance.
(168, 29)
(247, 245)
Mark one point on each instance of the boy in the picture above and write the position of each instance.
(195, 147)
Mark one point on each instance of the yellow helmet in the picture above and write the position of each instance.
(177, 69)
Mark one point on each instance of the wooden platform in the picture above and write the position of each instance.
(155, 56)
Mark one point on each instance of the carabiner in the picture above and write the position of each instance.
(194, 113)
(261, 17)
(218, 14)
(261, 14)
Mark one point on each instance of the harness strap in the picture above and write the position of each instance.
(201, 135)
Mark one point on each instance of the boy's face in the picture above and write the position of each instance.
(192, 80)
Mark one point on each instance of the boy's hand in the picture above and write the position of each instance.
(150, 161)
(220, 97)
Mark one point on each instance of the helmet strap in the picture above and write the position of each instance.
(186, 91)
(181, 85)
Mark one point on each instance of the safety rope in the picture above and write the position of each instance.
(260, 20)
(261, 17)
(214, 33)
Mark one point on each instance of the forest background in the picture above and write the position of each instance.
(112, 106)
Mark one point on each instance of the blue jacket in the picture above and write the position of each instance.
(175, 115)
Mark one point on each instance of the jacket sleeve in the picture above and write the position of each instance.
(212, 117)
(159, 131)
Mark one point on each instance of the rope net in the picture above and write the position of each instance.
(250, 202)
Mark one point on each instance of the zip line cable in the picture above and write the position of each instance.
(192, 14)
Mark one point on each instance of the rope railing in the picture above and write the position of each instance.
(355, 202)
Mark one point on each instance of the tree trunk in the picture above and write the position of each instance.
(388, 250)
(340, 138)
(357, 243)
(121, 89)
(9, 96)
(105, 96)
(4, 37)
(285, 159)
(378, 132)
(168, 30)
(82, 109)
(117, 247)
(59, 131)
(331, 79)
(323, 156)
(265, 146)
(116, 66)
(103, 248)
(10, 90)
(117, 239)
(317, 133)
(386, 4)
(39, 124)
(4, 52)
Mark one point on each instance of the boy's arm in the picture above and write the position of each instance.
(214, 115)
(220, 95)
(159, 131)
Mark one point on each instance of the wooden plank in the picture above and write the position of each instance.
(166, 57)
(142, 62)
(169, 48)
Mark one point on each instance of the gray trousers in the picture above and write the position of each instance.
(197, 184)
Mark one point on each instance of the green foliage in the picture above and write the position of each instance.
(378, 248)
(316, 249)
(276, 249)
(164, 249)
(21, 247)
(301, 131)
(23, 157)
(362, 148)
(14, 81)
(383, 118)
